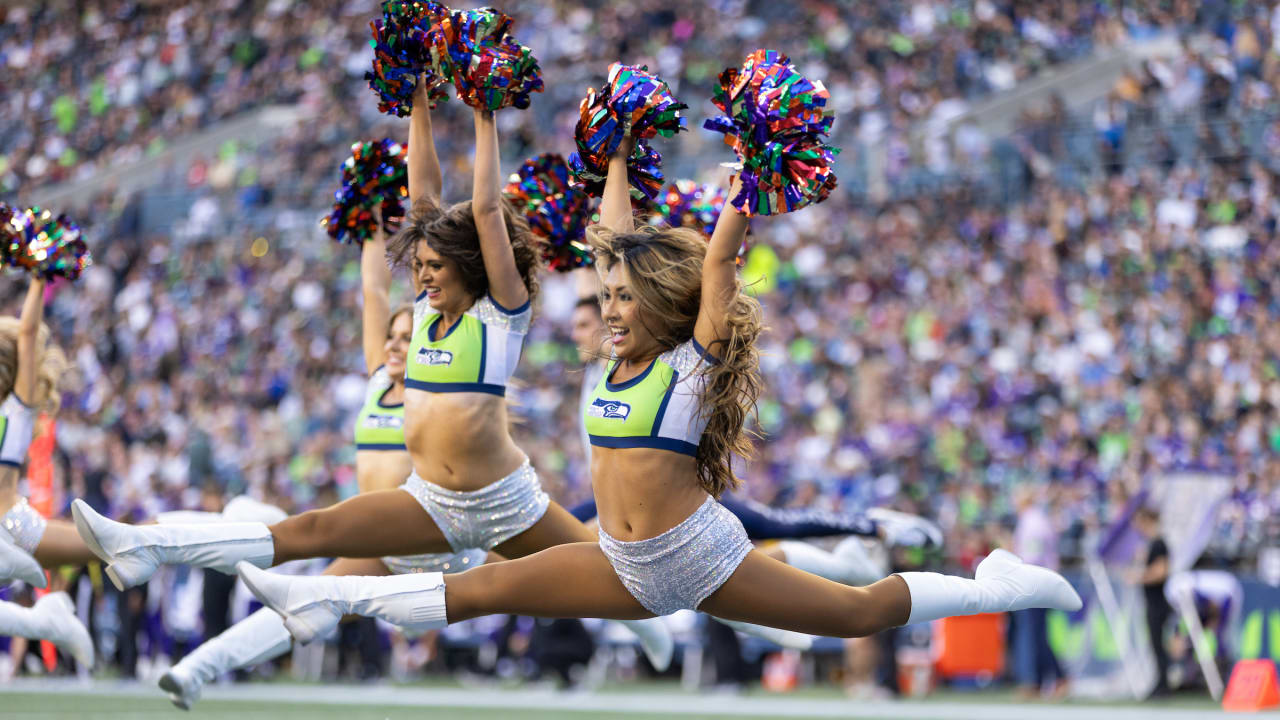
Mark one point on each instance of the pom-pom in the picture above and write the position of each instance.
(374, 176)
(490, 69)
(404, 53)
(632, 103)
(45, 246)
(685, 203)
(644, 172)
(774, 120)
(557, 211)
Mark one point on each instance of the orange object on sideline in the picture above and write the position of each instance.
(970, 645)
(1252, 687)
(781, 672)
(40, 496)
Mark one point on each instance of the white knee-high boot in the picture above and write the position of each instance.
(256, 639)
(655, 639)
(312, 606)
(133, 552)
(849, 564)
(52, 618)
(1002, 583)
(17, 565)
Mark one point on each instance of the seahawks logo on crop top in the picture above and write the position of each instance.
(609, 409)
(660, 408)
(431, 356)
(383, 422)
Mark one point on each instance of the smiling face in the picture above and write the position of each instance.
(440, 278)
(397, 345)
(627, 326)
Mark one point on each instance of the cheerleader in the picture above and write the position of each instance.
(382, 463)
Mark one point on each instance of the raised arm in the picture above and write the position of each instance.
(615, 202)
(375, 284)
(24, 385)
(505, 284)
(719, 275)
(425, 178)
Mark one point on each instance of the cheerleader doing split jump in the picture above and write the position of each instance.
(382, 463)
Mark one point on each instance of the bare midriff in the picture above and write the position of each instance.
(643, 492)
(382, 469)
(459, 441)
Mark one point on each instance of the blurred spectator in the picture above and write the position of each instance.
(1158, 610)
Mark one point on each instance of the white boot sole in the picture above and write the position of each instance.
(177, 694)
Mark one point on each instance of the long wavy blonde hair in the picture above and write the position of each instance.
(664, 274)
(52, 365)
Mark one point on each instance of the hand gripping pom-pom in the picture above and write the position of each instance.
(632, 103)
(373, 177)
(404, 54)
(557, 211)
(775, 119)
(490, 69)
(45, 246)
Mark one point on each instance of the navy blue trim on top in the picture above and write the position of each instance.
(422, 295)
(703, 352)
(431, 329)
(484, 351)
(662, 409)
(380, 446)
(388, 407)
(455, 387)
(615, 387)
(10, 463)
(644, 441)
(505, 311)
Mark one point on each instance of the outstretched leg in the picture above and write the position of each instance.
(369, 525)
(577, 580)
(389, 522)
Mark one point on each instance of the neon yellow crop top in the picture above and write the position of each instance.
(379, 426)
(478, 354)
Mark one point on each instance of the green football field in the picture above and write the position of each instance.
(47, 700)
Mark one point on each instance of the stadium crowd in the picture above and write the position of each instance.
(937, 353)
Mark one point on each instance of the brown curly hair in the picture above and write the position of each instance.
(52, 362)
(451, 231)
(664, 274)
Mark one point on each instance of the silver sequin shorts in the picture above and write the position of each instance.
(678, 569)
(435, 562)
(24, 525)
(484, 518)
